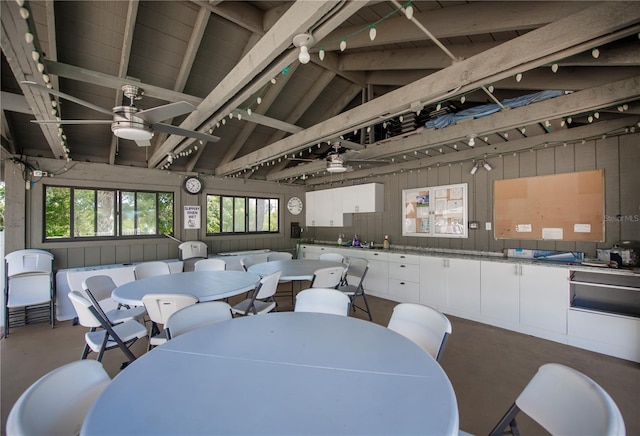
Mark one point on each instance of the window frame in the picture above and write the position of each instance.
(117, 211)
(247, 220)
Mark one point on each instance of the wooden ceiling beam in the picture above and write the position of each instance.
(475, 18)
(526, 52)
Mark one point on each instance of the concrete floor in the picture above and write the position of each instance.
(488, 366)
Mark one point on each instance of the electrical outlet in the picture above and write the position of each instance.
(487, 226)
(473, 225)
(37, 173)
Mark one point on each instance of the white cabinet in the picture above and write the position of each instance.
(451, 285)
(324, 209)
(544, 299)
(333, 207)
(500, 292)
(363, 198)
(404, 277)
(528, 298)
(376, 281)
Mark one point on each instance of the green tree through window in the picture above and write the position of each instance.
(74, 213)
(240, 215)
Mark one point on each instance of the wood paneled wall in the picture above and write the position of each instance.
(24, 218)
(619, 156)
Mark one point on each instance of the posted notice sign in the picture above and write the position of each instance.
(192, 217)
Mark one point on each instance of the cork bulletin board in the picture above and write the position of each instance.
(564, 207)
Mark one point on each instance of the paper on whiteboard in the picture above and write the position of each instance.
(551, 233)
(523, 228)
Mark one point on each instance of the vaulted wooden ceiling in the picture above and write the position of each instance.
(373, 97)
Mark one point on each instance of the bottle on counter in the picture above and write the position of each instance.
(385, 243)
(340, 239)
(356, 241)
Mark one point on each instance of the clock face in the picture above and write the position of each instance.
(294, 205)
(193, 185)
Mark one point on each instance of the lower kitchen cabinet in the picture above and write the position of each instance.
(500, 292)
(451, 285)
(404, 277)
(544, 299)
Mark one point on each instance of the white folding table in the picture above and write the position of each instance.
(285, 373)
(204, 285)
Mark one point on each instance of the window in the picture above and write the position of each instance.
(75, 213)
(235, 215)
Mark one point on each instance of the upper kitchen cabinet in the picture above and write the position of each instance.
(324, 209)
(363, 198)
(333, 207)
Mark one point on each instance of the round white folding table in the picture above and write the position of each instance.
(285, 373)
(204, 285)
(295, 269)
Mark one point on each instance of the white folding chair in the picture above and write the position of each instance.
(322, 300)
(353, 283)
(191, 249)
(196, 316)
(282, 255)
(334, 257)
(262, 300)
(160, 307)
(98, 289)
(564, 401)
(110, 337)
(28, 290)
(58, 402)
(424, 325)
(246, 262)
(151, 269)
(327, 277)
(211, 264)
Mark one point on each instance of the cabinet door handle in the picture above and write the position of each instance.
(401, 257)
(402, 283)
(517, 270)
(375, 254)
(401, 266)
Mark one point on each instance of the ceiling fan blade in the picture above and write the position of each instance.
(72, 121)
(175, 130)
(165, 112)
(68, 97)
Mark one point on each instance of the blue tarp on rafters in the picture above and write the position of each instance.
(488, 109)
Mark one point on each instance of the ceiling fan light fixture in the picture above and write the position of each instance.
(132, 133)
(336, 167)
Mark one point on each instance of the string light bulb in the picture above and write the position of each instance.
(303, 40)
(372, 32)
(408, 11)
(321, 54)
(343, 45)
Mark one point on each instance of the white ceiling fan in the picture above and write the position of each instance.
(129, 122)
(337, 163)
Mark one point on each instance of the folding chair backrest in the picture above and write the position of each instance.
(82, 306)
(58, 402)
(210, 265)
(161, 306)
(327, 277)
(28, 261)
(322, 300)
(191, 249)
(565, 401)
(151, 269)
(268, 286)
(196, 316)
(279, 255)
(246, 262)
(422, 324)
(98, 289)
(358, 268)
(334, 257)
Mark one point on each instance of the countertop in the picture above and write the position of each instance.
(478, 255)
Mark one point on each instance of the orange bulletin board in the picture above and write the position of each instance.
(564, 207)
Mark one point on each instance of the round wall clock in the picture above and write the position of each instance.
(294, 205)
(193, 185)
